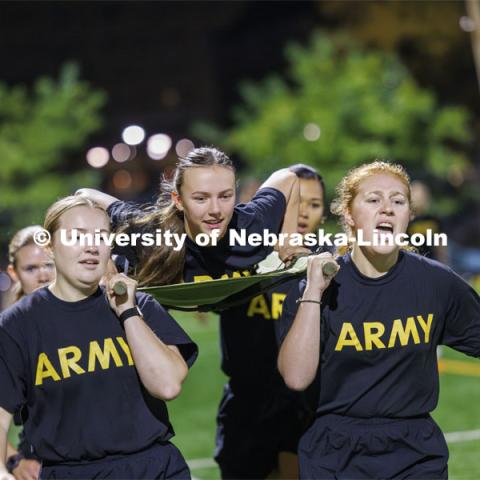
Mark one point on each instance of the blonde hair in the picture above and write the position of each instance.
(21, 239)
(347, 189)
(55, 211)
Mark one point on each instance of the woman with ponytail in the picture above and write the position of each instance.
(200, 198)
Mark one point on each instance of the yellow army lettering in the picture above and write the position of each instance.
(206, 278)
(259, 306)
(374, 331)
(69, 357)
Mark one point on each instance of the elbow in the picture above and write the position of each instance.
(293, 379)
(295, 382)
(166, 392)
(171, 391)
(283, 180)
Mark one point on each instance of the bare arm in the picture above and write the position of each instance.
(287, 182)
(5, 420)
(300, 351)
(103, 199)
(161, 367)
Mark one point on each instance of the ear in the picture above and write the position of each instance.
(177, 201)
(13, 274)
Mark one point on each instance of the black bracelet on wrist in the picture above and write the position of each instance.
(130, 312)
(13, 461)
(300, 300)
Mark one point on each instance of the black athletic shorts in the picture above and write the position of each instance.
(250, 435)
(160, 461)
(340, 447)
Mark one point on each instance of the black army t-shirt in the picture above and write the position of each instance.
(264, 212)
(70, 366)
(379, 336)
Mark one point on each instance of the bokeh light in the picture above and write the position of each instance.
(121, 152)
(158, 146)
(122, 180)
(183, 147)
(467, 24)
(311, 132)
(97, 157)
(133, 135)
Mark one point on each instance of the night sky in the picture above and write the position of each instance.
(163, 64)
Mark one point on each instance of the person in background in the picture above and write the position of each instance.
(424, 220)
(260, 421)
(30, 268)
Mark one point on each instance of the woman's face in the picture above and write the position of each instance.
(207, 198)
(81, 266)
(381, 204)
(310, 212)
(33, 268)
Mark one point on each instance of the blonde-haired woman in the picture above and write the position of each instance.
(369, 336)
(90, 369)
(29, 265)
(30, 268)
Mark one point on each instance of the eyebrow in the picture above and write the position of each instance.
(379, 192)
(312, 198)
(28, 265)
(210, 193)
(82, 230)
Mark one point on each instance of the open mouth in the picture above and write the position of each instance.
(302, 227)
(385, 227)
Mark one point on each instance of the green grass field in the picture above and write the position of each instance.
(193, 413)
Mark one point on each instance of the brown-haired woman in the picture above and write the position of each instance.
(200, 199)
(90, 369)
(369, 337)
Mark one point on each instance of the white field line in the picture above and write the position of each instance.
(466, 436)
(451, 437)
(198, 463)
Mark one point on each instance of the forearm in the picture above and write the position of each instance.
(300, 351)
(290, 219)
(103, 199)
(161, 368)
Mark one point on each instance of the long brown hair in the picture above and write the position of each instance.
(162, 265)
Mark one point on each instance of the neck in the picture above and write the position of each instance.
(67, 292)
(371, 264)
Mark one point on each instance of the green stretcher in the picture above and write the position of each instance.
(221, 294)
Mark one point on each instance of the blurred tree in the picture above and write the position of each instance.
(38, 129)
(341, 106)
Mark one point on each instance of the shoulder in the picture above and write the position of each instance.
(438, 274)
(148, 304)
(17, 319)
(25, 306)
(428, 265)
